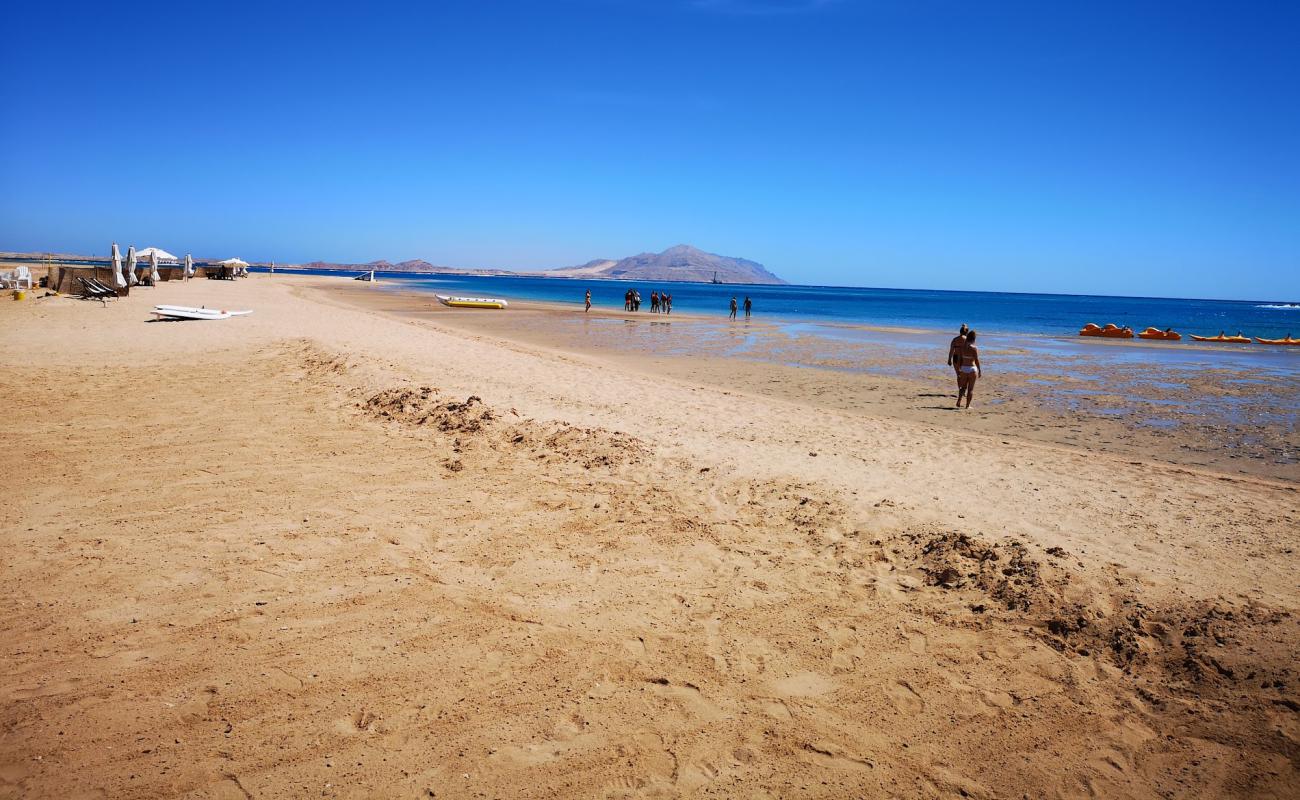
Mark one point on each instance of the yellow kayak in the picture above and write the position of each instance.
(471, 302)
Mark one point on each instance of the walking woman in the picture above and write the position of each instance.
(969, 370)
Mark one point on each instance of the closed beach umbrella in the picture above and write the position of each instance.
(118, 280)
(153, 268)
(131, 279)
(189, 266)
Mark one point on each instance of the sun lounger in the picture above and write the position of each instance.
(102, 287)
(92, 289)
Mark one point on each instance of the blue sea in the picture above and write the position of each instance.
(988, 312)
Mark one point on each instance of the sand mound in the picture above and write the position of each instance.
(1241, 655)
(419, 406)
(555, 441)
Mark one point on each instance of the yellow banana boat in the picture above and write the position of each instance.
(471, 302)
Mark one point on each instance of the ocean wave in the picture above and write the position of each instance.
(1284, 306)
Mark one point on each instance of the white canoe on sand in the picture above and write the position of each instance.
(189, 312)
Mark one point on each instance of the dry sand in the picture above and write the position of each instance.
(326, 551)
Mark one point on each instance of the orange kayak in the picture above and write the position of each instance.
(1154, 333)
(1222, 338)
(1287, 340)
(1110, 331)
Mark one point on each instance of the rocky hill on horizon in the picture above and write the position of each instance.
(680, 263)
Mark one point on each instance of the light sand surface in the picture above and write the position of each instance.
(1189, 404)
(326, 551)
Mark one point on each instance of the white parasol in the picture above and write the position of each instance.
(130, 266)
(162, 254)
(189, 266)
(154, 277)
(118, 280)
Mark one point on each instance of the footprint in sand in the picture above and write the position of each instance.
(636, 647)
(803, 684)
(846, 652)
(830, 755)
(650, 766)
(686, 699)
(916, 642)
(46, 689)
(196, 709)
(777, 709)
(362, 721)
(904, 698)
(697, 774)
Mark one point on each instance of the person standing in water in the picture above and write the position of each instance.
(954, 360)
(749, 307)
(970, 368)
(587, 300)
(667, 303)
(733, 308)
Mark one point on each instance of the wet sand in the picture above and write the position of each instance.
(1142, 400)
(335, 551)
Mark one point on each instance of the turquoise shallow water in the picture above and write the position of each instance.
(989, 312)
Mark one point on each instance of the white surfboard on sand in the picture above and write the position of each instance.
(189, 312)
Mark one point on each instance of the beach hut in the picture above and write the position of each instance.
(237, 266)
(131, 278)
(119, 281)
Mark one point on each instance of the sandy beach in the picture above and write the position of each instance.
(342, 547)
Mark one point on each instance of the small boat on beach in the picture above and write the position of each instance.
(1287, 340)
(1111, 331)
(188, 312)
(471, 302)
(1222, 338)
(1156, 333)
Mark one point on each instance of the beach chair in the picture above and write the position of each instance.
(103, 287)
(16, 278)
(92, 289)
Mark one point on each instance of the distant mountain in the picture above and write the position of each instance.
(680, 263)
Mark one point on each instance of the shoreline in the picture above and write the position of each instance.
(1034, 401)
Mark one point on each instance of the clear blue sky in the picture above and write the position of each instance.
(1118, 148)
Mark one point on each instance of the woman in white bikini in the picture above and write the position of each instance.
(969, 358)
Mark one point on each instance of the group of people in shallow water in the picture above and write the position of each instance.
(964, 358)
(662, 303)
(749, 307)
